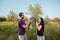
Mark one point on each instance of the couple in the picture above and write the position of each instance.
(22, 26)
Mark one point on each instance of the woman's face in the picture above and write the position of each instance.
(39, 20)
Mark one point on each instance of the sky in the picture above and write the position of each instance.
(50, 8)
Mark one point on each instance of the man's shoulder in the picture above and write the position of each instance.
(20, 20)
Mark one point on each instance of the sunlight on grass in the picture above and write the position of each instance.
(9, 31)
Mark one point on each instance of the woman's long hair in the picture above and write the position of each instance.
(42, 23)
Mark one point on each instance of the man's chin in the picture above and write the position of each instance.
(22, 18)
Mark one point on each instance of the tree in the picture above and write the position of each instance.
(26, 18)
(12, 16)
(2, 19)
(47, 20)
(56, 19)
(35, 11)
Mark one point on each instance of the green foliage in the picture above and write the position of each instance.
(56, 19)
(35, 11)
(10, 32)
(47, 20)
(31, 34)
(25, 18)
(52, 32)
(12, 16)
(2, 19)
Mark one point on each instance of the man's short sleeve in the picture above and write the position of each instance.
(22, 22)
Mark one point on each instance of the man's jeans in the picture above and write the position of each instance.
(40, 37)
(22, 37)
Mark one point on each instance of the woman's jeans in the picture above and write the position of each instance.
(40, 37)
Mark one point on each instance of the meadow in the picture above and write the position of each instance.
(9, 31)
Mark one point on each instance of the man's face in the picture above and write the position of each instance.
(22, 16)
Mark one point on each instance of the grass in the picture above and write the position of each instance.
(9, 31)
(52, 32)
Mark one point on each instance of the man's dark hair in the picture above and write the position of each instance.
(20, 14)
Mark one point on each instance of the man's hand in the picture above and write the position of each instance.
(30, 21)
(26, 22)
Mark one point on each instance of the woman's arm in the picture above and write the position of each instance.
(39, 27)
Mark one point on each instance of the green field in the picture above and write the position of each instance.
(9, 31)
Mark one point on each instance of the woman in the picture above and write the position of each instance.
(40, 29)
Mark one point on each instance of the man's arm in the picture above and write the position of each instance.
(24, 26)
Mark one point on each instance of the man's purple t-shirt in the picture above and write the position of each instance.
(21, 30)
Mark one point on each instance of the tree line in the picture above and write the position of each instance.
(35, 12)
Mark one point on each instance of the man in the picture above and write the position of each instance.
(21, 27)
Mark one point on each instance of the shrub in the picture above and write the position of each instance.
(2, 19)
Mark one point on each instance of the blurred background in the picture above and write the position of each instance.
(49, 10)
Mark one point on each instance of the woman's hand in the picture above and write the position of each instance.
(37, 23)
(38, 26)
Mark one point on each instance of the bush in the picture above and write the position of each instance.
(2, 19)
(52, 32)
(10, 32)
